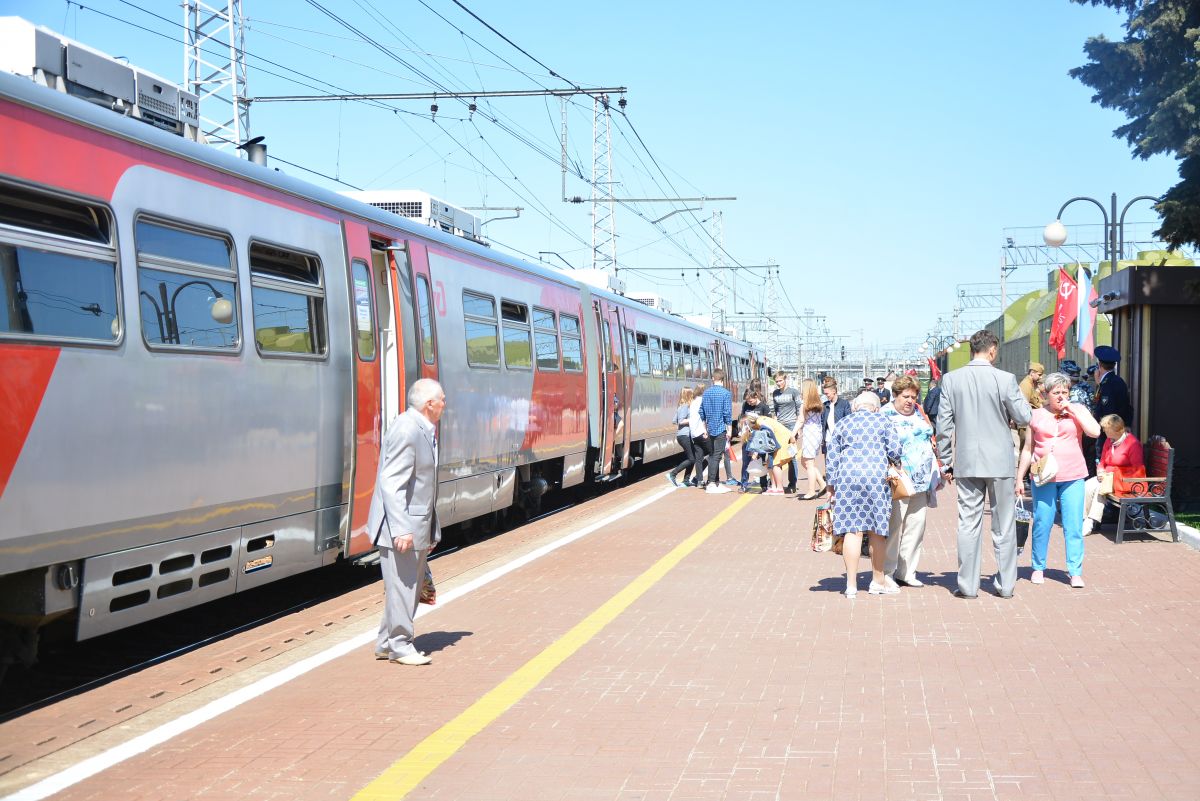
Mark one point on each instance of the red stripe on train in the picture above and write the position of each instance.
(26, 372)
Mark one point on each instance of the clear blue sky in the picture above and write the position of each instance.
(878, 150)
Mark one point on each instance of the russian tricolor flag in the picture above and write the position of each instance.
(1085, 320)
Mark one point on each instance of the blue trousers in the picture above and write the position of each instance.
(1069, 495)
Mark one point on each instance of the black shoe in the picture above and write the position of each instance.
(789, 490)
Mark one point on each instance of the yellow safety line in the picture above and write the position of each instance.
(411, 769)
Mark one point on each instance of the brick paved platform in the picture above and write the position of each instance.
(741, 674)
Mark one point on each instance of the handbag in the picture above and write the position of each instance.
(901, 484)
(822, 533)
(428, 591)
(762, 441)
(1045, 469)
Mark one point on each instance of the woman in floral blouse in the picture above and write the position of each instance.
(906, 530)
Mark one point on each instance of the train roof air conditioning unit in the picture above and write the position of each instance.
(601, 279)
(422, 206)
(63, 64)
(651, 300)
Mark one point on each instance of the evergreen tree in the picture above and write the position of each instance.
(1153, 75)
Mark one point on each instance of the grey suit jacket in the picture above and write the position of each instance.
(405, 497)
(977, 403)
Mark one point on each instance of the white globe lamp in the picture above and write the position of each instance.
(1055, 234)
(222, 310)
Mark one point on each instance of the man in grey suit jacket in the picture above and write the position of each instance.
(403, 519)
(977, 405)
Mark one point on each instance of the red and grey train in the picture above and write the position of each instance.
(198, 357)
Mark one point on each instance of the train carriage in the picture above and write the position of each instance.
(200, 356)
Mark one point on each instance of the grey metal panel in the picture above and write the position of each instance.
(574, 467)
(661, 447)
(88, 68)
(473, 496)
(213, 564)
(164, 434)
(330, 532)
(504, 486)
(275, 549)
(487, 413)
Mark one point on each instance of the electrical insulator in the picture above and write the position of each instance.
(433, 109)
(622, 102)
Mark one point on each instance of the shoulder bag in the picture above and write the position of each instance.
(900, 483)
(822, 533)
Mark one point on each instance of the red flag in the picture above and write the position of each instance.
(1089, 343)
(934, 372)
(1066, 307)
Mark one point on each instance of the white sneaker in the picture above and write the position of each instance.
(717, 489)
(882, 589)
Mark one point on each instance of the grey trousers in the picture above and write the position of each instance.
(970, 531)
(402, 577)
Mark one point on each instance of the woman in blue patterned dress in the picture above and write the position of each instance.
(862, 445)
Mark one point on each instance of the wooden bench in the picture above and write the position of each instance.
(1155, 490)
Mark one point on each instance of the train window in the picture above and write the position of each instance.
(179, 245)
(680, 365)
(656, 363)
(47, 294)
(547, 350)
(517, 350)
(479, 306)
(187, 289)
(642, 339)
(425, 319)
(545, 339)
(643, 357)
(654, 343)
(482, 333)
(572, 345)
(630, 340)
(289, 301)
(185, 310)
(58, 268)
(668, 367)
(364, 310)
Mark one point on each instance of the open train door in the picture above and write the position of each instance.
(613, 445)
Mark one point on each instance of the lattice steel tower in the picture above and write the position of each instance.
(773, 348)
(219, 82)
(716, 293)
(604, 223)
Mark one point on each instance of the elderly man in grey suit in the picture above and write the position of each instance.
(403, 519)
(977, 405)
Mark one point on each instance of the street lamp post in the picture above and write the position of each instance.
(1055, 234)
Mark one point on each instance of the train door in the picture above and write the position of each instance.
(614, 396)
(397, 340)
(429, 303)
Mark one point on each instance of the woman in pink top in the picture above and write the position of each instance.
(1058, 427)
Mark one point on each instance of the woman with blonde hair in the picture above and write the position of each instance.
(1057, 429)
(683, 435)
(811, 408)
(1122, 454)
